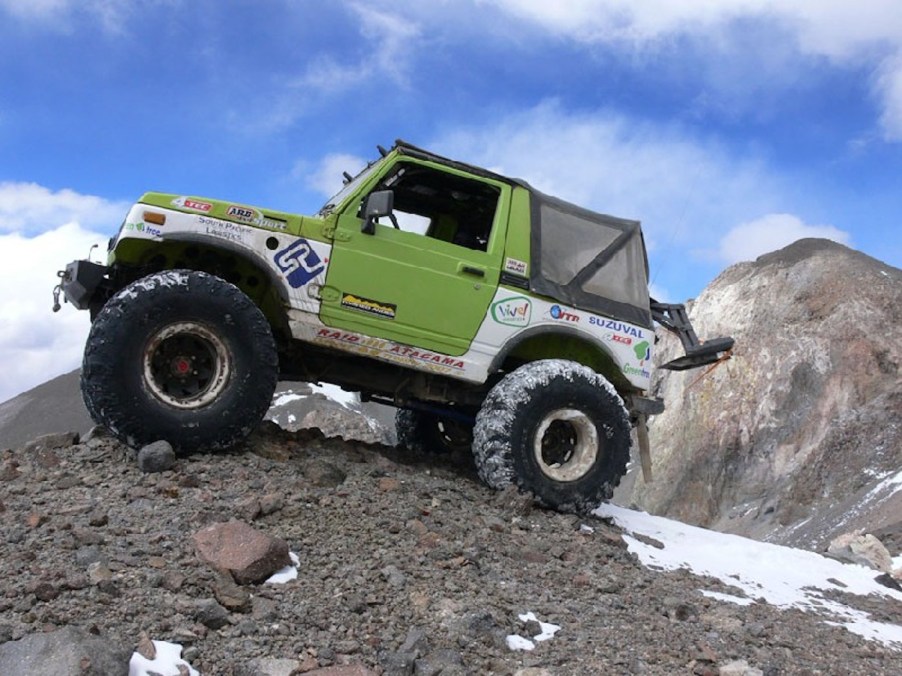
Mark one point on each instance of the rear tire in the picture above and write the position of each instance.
(557, 429)
(181, 356)
(423, 432)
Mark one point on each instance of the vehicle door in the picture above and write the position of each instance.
(428, 279)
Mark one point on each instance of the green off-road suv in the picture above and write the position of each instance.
(492, 316)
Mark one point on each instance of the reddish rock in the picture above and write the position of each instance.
(249, 555)
(388, 484)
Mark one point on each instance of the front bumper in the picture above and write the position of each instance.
(79, 283)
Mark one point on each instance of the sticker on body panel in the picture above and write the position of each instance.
(371, 307)
(141, 226)
(515, 266)
(299, 263)
(255, 217)
(386, 349)
(194, 205)
(226, 230)
(515, 311)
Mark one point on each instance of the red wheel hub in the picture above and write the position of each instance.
(181, 366)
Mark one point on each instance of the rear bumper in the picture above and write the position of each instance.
(80, 282)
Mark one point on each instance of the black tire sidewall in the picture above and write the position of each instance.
(507, 425)
(596, 405)
(113, 377)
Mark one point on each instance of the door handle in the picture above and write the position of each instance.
(471, 270)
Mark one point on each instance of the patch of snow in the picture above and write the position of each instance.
(893, 484)
(515, 642)
(292, 418)
(729, 598)
(287, 397)
(782, 576)
(548, 629)
(336, 394)
(287, 574)
(166, 663)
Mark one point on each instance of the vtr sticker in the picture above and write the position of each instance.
(300, 263)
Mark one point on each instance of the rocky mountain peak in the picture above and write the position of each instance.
(798, 437)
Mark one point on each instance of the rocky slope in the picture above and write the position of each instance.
(798, 438)
(408, 565)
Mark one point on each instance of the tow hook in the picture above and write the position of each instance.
(64, 276)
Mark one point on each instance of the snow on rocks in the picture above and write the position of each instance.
(546, 632)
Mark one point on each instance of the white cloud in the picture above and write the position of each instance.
(867, 34)
(747, 241)
(29, 207)
(390, 40)
(327, 177)
(888, 85)
(833, 28)
(35, 343)
(681, 188)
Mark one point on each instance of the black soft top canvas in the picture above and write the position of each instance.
(585, 259)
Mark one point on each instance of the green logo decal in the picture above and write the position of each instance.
(514, 311)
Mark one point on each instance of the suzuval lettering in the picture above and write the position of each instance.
(299, 263)
(373, 307)
(392, 348)
(620, 327)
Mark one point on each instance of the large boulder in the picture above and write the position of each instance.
(797, 438)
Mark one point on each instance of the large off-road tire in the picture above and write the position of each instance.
(182, 356)
(424, 432)
(557, 429)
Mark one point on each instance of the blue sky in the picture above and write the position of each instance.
(728, 127)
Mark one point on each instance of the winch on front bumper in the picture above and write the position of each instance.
(79, 283)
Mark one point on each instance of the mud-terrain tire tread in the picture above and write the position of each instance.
(112, 370)
(512, 411)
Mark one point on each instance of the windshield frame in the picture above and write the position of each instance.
(348, 188)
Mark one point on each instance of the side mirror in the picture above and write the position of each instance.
(379, 203)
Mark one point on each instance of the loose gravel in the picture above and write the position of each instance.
(408, 565)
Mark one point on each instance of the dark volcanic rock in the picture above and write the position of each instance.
(790, 439)
(156, 457)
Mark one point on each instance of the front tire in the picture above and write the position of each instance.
(182, 356)
(557, 429)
